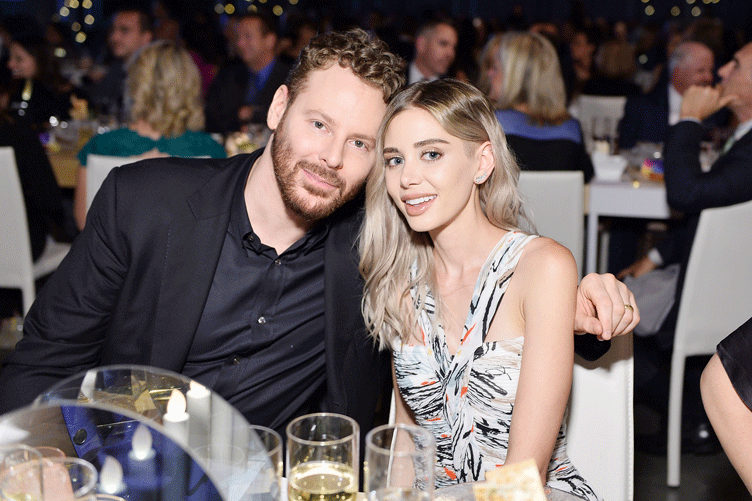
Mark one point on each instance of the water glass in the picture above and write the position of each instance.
(59, 479)
(323, 458)
(399, 463)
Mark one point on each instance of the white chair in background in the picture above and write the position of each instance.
(555, 201)
(97, 168)
(600, 432)
(716, 299)
(602, 112)
(17, 270)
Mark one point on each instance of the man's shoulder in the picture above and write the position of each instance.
(172, 173)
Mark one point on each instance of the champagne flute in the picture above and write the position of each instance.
(399, 463)
(322, 458)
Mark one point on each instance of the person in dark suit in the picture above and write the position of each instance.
(690, 190)
(243, 276)
(243, 89)
(648, 117)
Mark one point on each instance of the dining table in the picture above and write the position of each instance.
(634, 195)
(64, 164)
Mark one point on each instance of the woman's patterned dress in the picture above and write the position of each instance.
(466, 400)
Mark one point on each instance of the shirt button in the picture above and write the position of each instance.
(236, 361)
(277, 262)
(261, 320)
(250, 238)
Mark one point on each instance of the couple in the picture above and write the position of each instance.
(241, 273)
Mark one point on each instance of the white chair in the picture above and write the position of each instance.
(17, 270)
(554, 200)
(597, 108)
(716, 299)
(600, 432)
(97, 168)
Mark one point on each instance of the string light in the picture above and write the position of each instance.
(73, 4)
(293, 2)
(80, 37)
(277, 10)
(89, 19)
(86, 4)
(696, 11)
(649, 10)
(76, 26)
(229, 8)
(219, 8)
(64, 11)
(675, 11)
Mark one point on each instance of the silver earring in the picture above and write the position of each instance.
(480, 179)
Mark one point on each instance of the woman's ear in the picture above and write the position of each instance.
(278, 107)
(487, 162)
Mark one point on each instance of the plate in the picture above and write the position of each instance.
(464, 492)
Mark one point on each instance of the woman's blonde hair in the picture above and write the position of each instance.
(164, 88)
(388, 247)
(531, 76)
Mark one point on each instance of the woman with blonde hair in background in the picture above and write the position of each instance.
(478, 315)
(526, 86)
(166, 115)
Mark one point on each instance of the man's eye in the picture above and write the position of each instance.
(318, 125)
(359, 144)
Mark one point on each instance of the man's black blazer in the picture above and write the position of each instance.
(133, 287)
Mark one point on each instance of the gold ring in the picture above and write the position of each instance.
(628, 307)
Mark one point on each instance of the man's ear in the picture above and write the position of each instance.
(277, 108)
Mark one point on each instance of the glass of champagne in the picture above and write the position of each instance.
(399, 463)
(322, 458)
(59, 479)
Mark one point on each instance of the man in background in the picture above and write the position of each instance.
(435, 47)
(243, 89)
(131, 30)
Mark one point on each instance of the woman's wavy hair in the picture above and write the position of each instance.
(531, 76)
(164, 88)
(389, 249)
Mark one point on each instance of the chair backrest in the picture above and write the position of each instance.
(15, 247)
(555, 201)
(600, 433)
(717, 293)
(97, 168)
(593, 110)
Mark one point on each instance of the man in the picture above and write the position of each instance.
(131, 30)
(648, 117)
(690, 190)
(243, 276)
(435, 47)
(243, 89)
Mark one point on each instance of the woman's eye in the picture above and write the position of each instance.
(393, 161)
(432, 155)
(318, 125)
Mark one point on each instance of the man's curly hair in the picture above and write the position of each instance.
(367, 56)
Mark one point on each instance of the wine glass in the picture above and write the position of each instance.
(66, 479)
(399, 463)
(322, 458)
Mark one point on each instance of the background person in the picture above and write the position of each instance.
(526, 86)
(435, 46)
(167, 116)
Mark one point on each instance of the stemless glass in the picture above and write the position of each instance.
(322, 458)
(60, 479)
(399, 463)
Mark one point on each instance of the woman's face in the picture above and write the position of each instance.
(429, 173)
(21, 63)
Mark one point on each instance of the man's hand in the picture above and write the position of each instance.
(701, 102)
(638, 268)
(601, 310)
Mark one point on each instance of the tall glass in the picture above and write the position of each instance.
(399, 463)
(322, 458)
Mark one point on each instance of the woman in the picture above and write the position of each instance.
(526, 85)
(164, 88)
(440, 238)
(35, 97)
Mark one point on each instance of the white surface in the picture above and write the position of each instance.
(555, 201)
(599, 107)
(716, 299)
(608, 167)
(625, 199)
(97, 168)
(17, 271)
(600, 433)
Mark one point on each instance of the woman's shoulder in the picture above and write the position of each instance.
(197, 143)
(548, 257)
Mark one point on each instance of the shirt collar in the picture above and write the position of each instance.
(264, 73)
(240, 226)
(674, 105)
(742, 129)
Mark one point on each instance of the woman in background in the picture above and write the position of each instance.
(525, 83)
(167, 115)
(35, 96)
(479, 316)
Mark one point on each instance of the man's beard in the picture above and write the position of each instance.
(286, 172)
